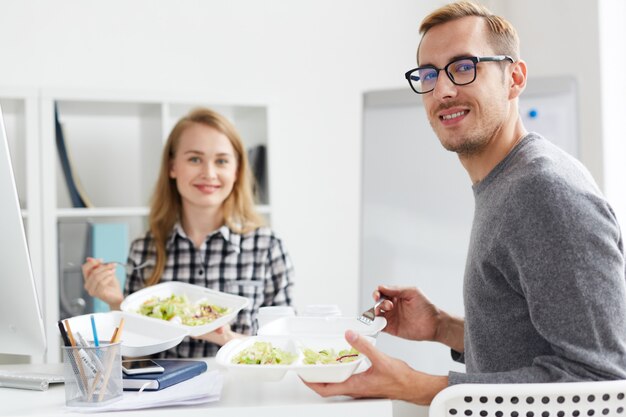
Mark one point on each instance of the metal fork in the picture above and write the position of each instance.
(132, 267)
(369, 315)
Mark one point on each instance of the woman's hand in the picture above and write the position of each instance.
(220, 336)
(101, 282)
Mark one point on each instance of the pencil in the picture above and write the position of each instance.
(114, 334)
(118, 332)
(74, 354)
(111, 358)
(69, 333)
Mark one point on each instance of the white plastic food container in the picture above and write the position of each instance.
(310, 373)
(227, 352)
(321, 326)
(140, 335)
(195, 294)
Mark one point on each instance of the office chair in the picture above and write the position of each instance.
(575, 399)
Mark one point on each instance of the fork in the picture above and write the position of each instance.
(368, 316)
(132, 267)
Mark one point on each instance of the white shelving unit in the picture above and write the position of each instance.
(115, 143)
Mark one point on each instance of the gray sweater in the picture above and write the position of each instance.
(544, 287)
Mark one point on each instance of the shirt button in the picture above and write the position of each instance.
(201, 272)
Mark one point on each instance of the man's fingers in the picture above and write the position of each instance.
(325, 390)
(386, 305)
(332, 389)
(361, 344)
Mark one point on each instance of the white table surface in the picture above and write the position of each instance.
(287, 397)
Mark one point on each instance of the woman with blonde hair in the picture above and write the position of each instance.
(204, 230)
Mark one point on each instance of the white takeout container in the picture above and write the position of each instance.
(327, 373)
(330, 373)
(227, 352)
(268, 314)
(194, 293)
(140, 335)
(321, 326)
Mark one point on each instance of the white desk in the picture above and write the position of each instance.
(288, 397)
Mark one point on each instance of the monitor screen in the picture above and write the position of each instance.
(21, 322)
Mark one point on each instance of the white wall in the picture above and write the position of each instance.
(560, 37)
(586, 40)
(312, 59)
(613, 59)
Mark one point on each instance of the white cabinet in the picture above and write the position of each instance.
(115, 142)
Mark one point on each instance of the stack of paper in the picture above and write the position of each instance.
(204, 388)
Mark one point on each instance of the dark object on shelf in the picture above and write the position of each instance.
(257, 155)
(77, 195)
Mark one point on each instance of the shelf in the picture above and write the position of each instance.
(102, 212)
(118, 212)
(115, 140)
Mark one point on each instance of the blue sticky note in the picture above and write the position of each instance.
(109, 241)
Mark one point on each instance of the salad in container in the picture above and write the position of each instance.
(269, 358)
(197, 310)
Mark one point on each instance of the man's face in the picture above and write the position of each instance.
(465, 118)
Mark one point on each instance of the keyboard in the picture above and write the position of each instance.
(29, 380)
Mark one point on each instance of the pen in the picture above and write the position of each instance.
(66, 340)
(93, 358)
(96, 342)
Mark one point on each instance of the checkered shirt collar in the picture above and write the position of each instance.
(233, 238)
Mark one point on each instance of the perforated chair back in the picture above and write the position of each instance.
(575, 399)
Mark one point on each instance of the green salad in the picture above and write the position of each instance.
(263, 353)
(329, 356)
(178, 308)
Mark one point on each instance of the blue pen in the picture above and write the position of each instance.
(96, 342)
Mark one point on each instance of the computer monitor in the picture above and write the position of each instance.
(21, 321)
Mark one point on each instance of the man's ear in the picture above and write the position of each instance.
(517, 79)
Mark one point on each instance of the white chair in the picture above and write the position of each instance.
(571, 399)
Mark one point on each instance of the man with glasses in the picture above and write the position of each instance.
(544, 286)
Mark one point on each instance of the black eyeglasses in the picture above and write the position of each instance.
(461, 71)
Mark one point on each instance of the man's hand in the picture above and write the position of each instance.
(386, 378)
(412, 316)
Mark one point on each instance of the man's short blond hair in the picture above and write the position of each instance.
(502, 35)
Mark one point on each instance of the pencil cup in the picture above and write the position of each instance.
(93, 375)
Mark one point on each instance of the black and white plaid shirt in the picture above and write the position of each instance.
(254, 265)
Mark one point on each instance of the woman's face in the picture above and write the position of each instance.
(204, 167)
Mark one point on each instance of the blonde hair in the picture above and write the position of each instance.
(502, 35)
(166, 204)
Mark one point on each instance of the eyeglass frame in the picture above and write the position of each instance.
(474, 59)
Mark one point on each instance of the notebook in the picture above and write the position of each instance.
(175, 371)
(109, 241)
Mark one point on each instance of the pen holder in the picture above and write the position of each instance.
(93, 375)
